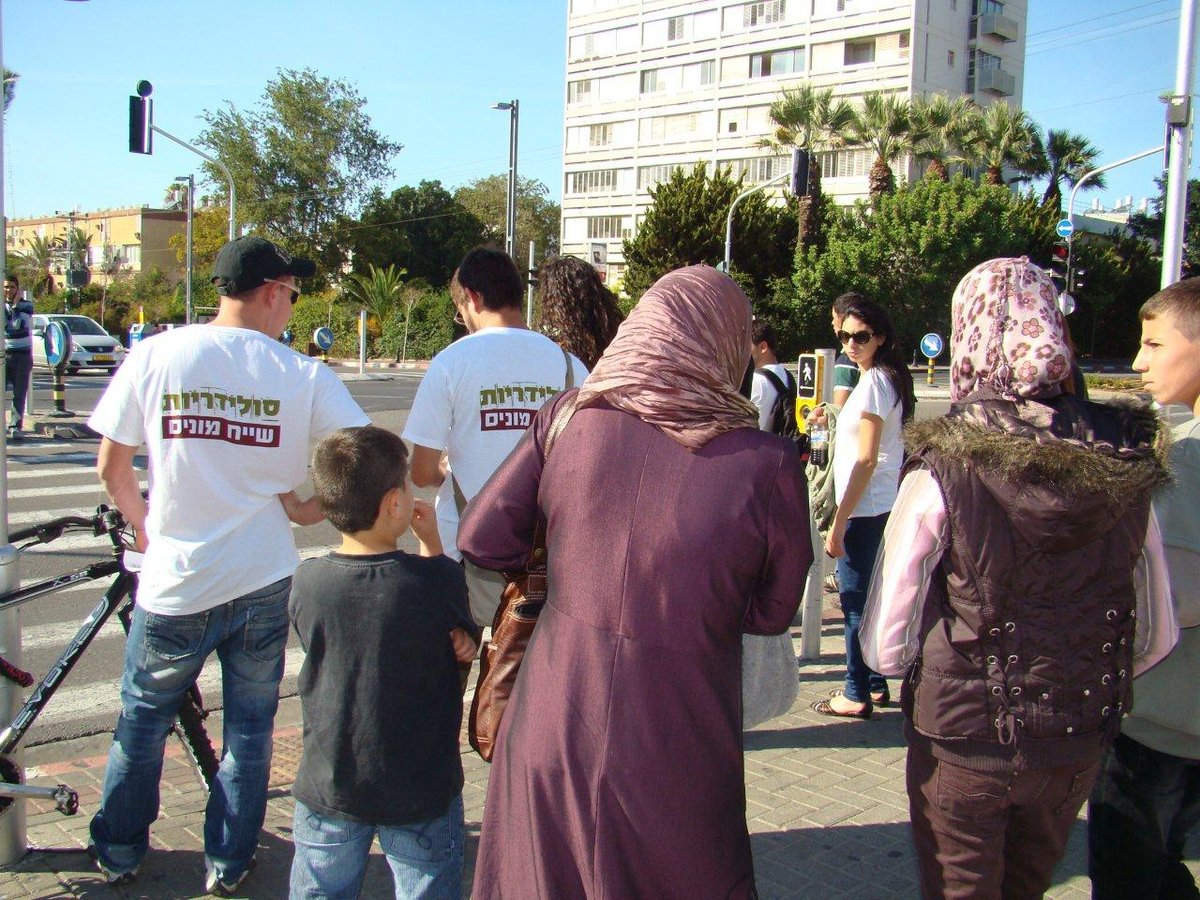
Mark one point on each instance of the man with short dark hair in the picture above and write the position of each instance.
(227, 414)
(772, 381)
(18, 349)
(478, 397)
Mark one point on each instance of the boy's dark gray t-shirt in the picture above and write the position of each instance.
(380, 686)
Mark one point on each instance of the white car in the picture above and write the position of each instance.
(91, 346)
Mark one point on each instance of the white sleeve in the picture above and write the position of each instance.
(912, 546)
(432, 411)
(119, 415)
(333, 407)
(581, 372)
(1155, 629)
(759, 387)
(878, 397)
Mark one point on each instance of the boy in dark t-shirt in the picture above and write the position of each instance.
(383, 631)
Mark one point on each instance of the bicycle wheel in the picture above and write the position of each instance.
(189, 728)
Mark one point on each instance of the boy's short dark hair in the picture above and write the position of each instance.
(493, 275)
(764, 332)
(1181, 301)
(352, 470)
(9, 276)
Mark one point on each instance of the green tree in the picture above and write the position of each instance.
(911, 249)
(36, 259)
(1150, 226)
(10, 87)
(422, 229)
(883, 123)
(537, 216)
(685, 225)
(1001, 136)
(809, 118)
(1063, 157)
(303, 160)
(937, 131)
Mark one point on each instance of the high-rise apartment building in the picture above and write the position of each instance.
(653, 85)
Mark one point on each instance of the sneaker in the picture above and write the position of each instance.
(111, 876)
(216, 886)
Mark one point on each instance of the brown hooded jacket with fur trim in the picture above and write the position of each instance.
(1026, 639)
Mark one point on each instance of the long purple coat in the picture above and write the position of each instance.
(618, 767)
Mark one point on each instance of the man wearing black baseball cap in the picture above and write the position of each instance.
(227, 414)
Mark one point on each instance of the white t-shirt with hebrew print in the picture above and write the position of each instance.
(476, 401)
(228, 417)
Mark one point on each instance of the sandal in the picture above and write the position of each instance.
(825, 708)
(881, 698)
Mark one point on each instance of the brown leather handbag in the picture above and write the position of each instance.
(520, 605)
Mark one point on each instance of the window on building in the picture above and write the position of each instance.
(905, 39)
(675, 28)
(860, 52)
(649, 176)
(579, 91)
(845, 163)
(950, 58)
(651, 81)
(763, 13)
(708, 71)
(757, 169)
(596, 181)
(605, 227)
(978, 61)
(987, 7)
(777, 62)
(132, 254)
(841, 5)
(600, 135)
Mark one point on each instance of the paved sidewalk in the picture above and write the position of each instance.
(825, 803)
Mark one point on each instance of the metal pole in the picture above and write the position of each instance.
(12, 822)
(1179, 139)
(738, 199)
(814, 591)
(510, 237)
(191, 211)
(362, 341)
(216, 162)
(529, 291)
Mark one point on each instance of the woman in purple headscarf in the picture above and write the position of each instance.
(1020, 588)
(673, 526)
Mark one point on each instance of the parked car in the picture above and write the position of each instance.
(91, 346)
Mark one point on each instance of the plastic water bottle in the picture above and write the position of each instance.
(818, 454)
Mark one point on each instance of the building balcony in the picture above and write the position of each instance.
(997, 81)
(998, 26)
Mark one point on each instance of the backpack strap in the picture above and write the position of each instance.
(782, 388)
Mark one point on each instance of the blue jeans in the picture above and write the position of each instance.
(163, 656)
(331, 855)
(864, 534)
(1142, 807)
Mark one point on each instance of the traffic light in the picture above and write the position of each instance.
(1060, 255)
(800, 163)
(1077, 280)
(141, 120)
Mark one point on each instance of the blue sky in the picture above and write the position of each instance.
(430, 73)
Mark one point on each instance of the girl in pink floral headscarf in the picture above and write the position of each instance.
(1008, 335)
(1005, 592)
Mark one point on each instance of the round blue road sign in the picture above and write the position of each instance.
(1064, 229)
(58, 343)
(323, 338)
(932, 345)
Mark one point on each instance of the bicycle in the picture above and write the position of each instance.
(119, 598)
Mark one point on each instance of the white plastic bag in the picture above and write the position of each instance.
(770, 679)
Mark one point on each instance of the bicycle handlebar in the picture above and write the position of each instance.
(105, 521)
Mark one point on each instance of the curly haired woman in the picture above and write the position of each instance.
(577, 310)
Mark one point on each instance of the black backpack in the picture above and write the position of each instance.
(783, 416)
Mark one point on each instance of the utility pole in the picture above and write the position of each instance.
(190, 181)
(1179, 141)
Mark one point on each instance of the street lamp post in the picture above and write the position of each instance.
(510, 223)
(190, 181)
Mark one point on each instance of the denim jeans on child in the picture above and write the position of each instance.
(864, 534)
(331, 855)
(163, 656)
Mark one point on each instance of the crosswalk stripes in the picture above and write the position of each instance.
(46, 486)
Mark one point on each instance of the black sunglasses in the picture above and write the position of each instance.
(295, 291)
(858, 337)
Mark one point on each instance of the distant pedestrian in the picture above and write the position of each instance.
(1147, 798)
(18, 349)
(866, 472)
(383, 631)
(773, 389)
(1006, 592)
(227, 414)
(576, 309)
(675, 526)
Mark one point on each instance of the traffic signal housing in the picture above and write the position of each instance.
(141, 138)
(1060, 256)
(800, 166)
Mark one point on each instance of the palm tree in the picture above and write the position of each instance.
(937, 131)
(884, 124)
(10, 87)
(37, 257)
(809, 118)
(1063, 157)
(1000, 136)
(379, 291)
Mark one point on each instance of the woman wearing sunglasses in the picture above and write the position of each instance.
(866, 472)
